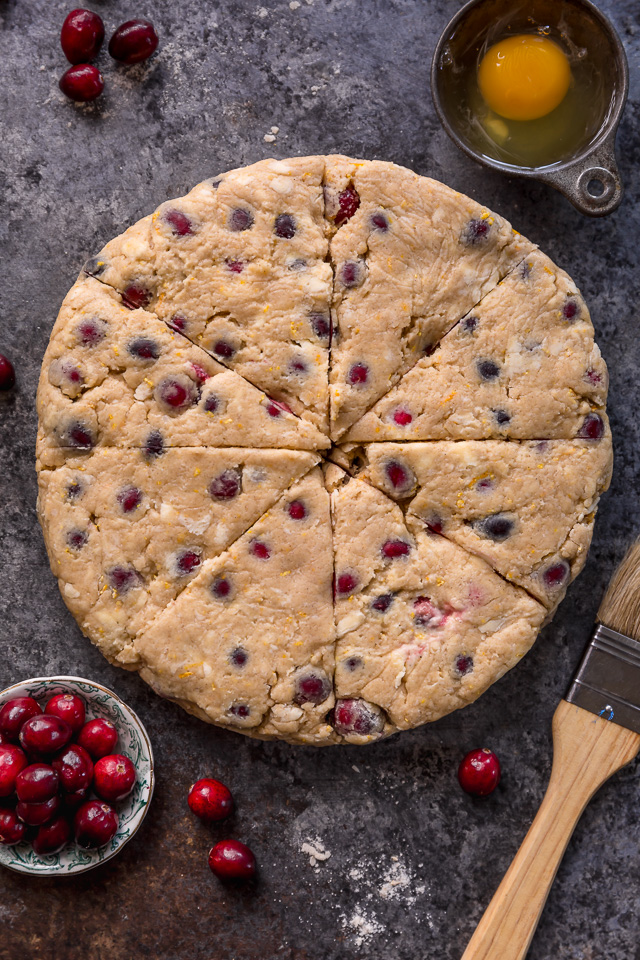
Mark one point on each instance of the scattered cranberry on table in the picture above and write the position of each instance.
(82, 83)
(81, 35)
(133, 41)
(98, 737)
(7, 373)
(479, 772)
(114, 777)
(210, 800)
(95, 824)
(232, 860)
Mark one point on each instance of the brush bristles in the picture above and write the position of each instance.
(620, 607)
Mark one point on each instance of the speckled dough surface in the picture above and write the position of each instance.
(320, 448)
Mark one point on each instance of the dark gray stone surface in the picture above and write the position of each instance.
(333, 75)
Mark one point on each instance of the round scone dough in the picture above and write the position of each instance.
(320, 448)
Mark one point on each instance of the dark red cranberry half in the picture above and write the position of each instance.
(400, 477)
(312, 686)
(77, 539)
(463, 665)
(7, 373)
(133, 41)
(77, 435)
(123, 579)
(348, 202)
(223, 349)
(91, 332)
(210, 800)
(114, 777)
(321, 326)
(36, 814)
(479, 773)
(380, 221)
(240, 710)
(74, 767)
(94, 824)
(351, 273)
(52, 837)
(68, 706)
(382, 603)
(81, 35)
(82, 83)
(36, 783)
(12, 762)
(154, 444)
(187, 561)
(227, 485)
(232, 860)
(176, 394)
(44, 735)
(144, 348)
(357, 716)
(12, 830)
(16, 712)
(571, 310)
(98, 737)
(402, 417)
(592, 428)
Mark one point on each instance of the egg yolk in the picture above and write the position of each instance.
(524, 77)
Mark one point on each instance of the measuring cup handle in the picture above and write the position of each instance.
(592, 183)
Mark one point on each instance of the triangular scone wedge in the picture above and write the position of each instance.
(523, 364)
(239, 266)
(118, 377)
(250, 643)
(410, 256)
(424, 627)
(527, 507)
(125, 534)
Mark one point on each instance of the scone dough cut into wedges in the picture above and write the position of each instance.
(423, 626)
(527, 508)
(126, 533)
(219, 365)
(250, 642)
(522, 364)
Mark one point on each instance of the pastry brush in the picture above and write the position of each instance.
(596, 731)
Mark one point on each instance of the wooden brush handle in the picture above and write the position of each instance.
(587, 751)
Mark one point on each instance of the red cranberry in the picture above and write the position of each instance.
(380, 222)
(188, 561)
(285, 226)
(297, 510)
(154, 445)
(359, 373)
(221, 588)
(592, 427)
(402, 417)
(123, 579)
(357, 716)
(232, 860)
(12, 830)
(95, 823)
(7, 373)
(44, 735)
(226, 485)
(312, 686)
(399, 476)
(276, 407)
(35, 814)
(235, 266)
(348, 201)
(114, 777)
(82, 83)
(36, 783)
(382, 603)
(497, 526)
(322, 326)
(135, 296)
(69, 707)
(463, 665)
(571, 310)
(144, 348)
(177, 394)
(351, 273)
(52, 837)
(74, 767)
(129, 498)
(395, 548)
(210, 800)
(346, 583)
(556, 574)
(479, 773)
(240, 220)
(16, 712)
(179, 222)
(12, 761)
(475, 231)
(133, 41)
(238, 657)
(74, 800)
(260, 550)
(81, 35)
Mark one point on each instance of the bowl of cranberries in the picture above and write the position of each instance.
(76, 775)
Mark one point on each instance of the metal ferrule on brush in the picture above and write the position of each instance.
(607, 682)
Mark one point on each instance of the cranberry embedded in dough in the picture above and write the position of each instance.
(77, 539)
(154, 444)
(463, 665)
(187, 562)
(488, 369)
(123, 579)
(476, 231)
(357, 717)
(392, 549)
(223, 349)
(179, 222)
(592, 428)
(135, 296)
(221, 588)
(91, 332)
(380, 221)
(226, 485)
(144, 348)
(358, 374)
(260, 549)
(240, 219)
(346, 583)
(239, 656)
(312, 686)
(556, 575)
(285, 226)
(297, 510)
(177, 393)
(497, 526)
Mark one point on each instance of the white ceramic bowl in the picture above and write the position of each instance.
(133, 741)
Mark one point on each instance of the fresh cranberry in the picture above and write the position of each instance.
(357, 716)
(392, 549)
(16, 712)
(69, 707)
(98, 737)
(227, 485)
(260, 550)
(348, 201)
(346, 583)
(592, 427)
(221, 588)
(72, 801)
(359, 373)
(133, 41)
(479, 773)
(135, 296)
(52, 837)
(41, 736)
(285, 226)
(312, 686)
(114, 777)
(36, 783)
(78, 435)
(240, 220)
(123, 579)
(179, 222)
(129, 498)
(232, 860)
(556, 574)
(95, 823)
(81, 35)
(74, 767)
(402, 417)
(82, 83)
(35, 814)
(12, 830)
(12, 761)
(210, 800)
(188, 561)
(177, 394)
(178, 323)
(7, 373)
(297, 510)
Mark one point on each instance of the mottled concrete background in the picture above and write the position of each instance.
(413, 861)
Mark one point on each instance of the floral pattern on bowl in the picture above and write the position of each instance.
(133, 741)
